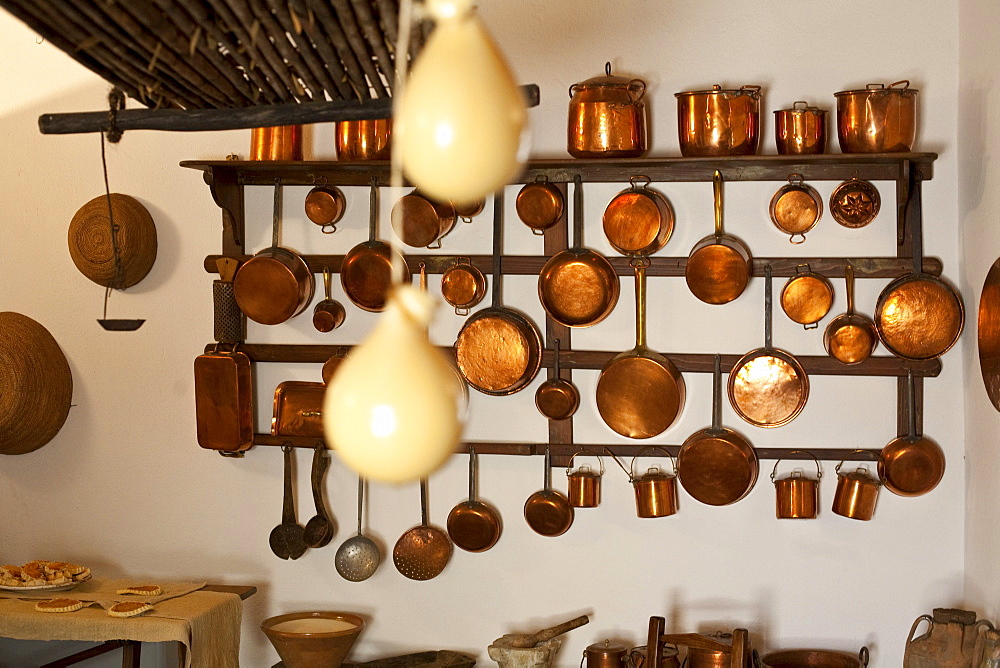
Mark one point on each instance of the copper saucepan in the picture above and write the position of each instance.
(540, 205)
(911, 465)
(768, 387)
(796, 208)
(557, 398)
(717, 466)
(422, 222)
(498, 350)
(638, 221)
(640, 393)
(850, 338)
(718, 268)
(807, 297)
(547, 511)
(275, 284)
(583, 486)
(857, 492)
(578, 287)
(325, 207)
(474, 525)
(463, 285)
(366, 273)
(919, 317)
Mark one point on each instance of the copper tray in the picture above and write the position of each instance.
(298, 409)
(223, 395)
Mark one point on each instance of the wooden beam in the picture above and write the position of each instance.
(201, 120)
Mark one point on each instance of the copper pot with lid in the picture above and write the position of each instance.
(719, 122)
(605, 655)
(363, 139)
(796, 496)
(800, 130)
(655, 490)
(877, 118)
(584, 488)
(607, 117)
(857, 492)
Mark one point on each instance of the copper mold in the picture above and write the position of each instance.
(855, 203)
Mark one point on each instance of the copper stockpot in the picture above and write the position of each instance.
(463, 285)
(857, 493)
(638, 221)
(850, 338)
(363, 140)
(584, 485)
(807, 297)
(719, 266)
(607, 117)
(796, 208)
(422, 222)
(282, 142)
(655, 490)
(800, 130)
(366, 273)
(605, 655)
(796, 497)
(877, 119)
(540, 205)
(719, 122)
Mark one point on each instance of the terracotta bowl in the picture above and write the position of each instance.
(313, 639)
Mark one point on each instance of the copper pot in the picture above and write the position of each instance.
(540, 205)
(584, 489)
(796, 208)
(800, 130)
(655, 490)
(637, 657)
(815, 658)
(363, 140)
(638, 221)
(422, 222)
(325, 207)
(807, 297)
(877, 119)
(282, 142)
(463, 285)
(719, 122)
(367, 269)
(857, 493)
(796, 497)
(607, 117)
(605, 655)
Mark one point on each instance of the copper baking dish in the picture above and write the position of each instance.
(223, 394)
(298, 409)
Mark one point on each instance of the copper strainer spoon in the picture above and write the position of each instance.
(359, 557)
(422, 552)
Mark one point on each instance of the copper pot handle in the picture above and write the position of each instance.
(569, 466)
(639, 177)
(868, 452)
(631, 465)
(819, 471)
(717, 190)
(633, 85)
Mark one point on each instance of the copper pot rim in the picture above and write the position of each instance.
(958, 307)
(531, 334)
(557, 263)
(717, 438)
(664, 225)
(717, 89)
(796, 110)
(296, 266)
(349, 280)
(784, 356)
(881, 89)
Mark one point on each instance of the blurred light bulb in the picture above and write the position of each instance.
(393, 411)
(461, 116)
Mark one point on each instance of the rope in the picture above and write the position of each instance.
(116, 103)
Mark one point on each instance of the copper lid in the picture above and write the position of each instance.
(606, 81)
(897, 88)
(753, 91)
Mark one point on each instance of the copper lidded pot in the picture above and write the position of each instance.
(363, 140)
(719, 122)
(605, 655)
(282, 142)
(607, 117)
(857, 493)
(877, 119)
(584, 485)
(655, 490)
(796, 496)
(800, 130)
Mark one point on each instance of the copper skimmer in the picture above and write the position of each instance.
(422, 552)
(911, 465)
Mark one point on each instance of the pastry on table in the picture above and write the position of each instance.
(142, 590)
(59, 605)
(129, 608)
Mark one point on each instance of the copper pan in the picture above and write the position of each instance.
(547, 511)
(850, 338)
(640, 393)
(366, 273)
(989, 334)
(768, 387)
(578, 287)
(807, 297)
(796, 208)
(463, 285)
(498, 350)
(275, 284)
(919, 317)
(911, 465)
(557, 398)
(717, 466)
(718, 268)
(474, 525)
(325, 207)
(540, 205)
(422, 222)
(638, 221)
(815, 658)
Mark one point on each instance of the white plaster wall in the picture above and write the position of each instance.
(125, 488)
(979, 196)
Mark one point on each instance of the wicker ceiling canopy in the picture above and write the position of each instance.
(214, 54)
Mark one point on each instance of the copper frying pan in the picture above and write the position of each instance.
(275, 284)
(638, 221)
(716, 465)
(474, 525)
(366, 273)
(578, 287)
(718, 268)
(547, 511)
(498, 350)
(640, 393)
(911, 465)
(919, 317)
(768, 387)
(989, 334)
(850, 337)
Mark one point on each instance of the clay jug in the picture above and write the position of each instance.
(952, 640)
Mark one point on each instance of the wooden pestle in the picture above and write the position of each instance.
(525, 640)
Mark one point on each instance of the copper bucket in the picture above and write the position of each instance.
(719, 122)
(282, 142)
(877, 119)
(655, 491)
(363, 140)
(800, 130)
(857, 493)
(584, 489)
(796, 497)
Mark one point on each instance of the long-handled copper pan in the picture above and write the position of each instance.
(919, 317)
(548, 512)
(366, 273)
(768, 387)
(640, 393)
(850, 338)
(911, 465)
(474, 525)
(716, 465)
(498, 350)
(718, 268)
(578, 287)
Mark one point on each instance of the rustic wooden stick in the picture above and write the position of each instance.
(240, 20)
(349, 24)
(294, 63)
(388, 11)
(328, 23)
(373, 34)
(322, 45)
(302, 46)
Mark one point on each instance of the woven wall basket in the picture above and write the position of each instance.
(91, 247)
(36, 386)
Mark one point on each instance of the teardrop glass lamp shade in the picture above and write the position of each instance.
(393, 410)
(461, 117)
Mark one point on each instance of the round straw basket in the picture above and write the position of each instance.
(91, 247)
